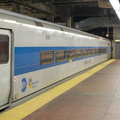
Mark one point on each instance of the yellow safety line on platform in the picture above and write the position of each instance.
(32, 105)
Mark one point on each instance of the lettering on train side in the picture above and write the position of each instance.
(47, 37)
(87, 62)
(32, 84)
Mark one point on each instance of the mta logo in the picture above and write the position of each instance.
(24, 85)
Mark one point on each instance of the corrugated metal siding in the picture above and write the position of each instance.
(117, 50)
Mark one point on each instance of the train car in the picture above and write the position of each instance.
(35, 54)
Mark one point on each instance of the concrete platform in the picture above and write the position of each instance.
(96, 98)
(94, 95)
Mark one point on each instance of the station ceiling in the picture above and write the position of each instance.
(94, 16)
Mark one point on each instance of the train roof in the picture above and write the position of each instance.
(38, 22)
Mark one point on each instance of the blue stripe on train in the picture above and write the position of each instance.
(27, 59)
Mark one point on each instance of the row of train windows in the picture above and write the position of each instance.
(47, 57)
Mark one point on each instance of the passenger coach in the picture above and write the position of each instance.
(35, 54)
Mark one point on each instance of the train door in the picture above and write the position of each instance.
(5, 63)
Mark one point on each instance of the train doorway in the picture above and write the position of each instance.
(5, 63)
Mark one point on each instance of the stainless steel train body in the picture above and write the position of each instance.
(35, 54)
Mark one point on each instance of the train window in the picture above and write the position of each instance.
(46, 57)
(4, 49)
(96, 51)
(60, 55)
(99, 51)
(38, 24)
(89, 52)
(70, 54)
(78, 53)
(104, 50)
(93, 51)
(84, 52)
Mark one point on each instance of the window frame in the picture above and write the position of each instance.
(78, 55)
(5, 39)
(84, 52)
(63, 59)
(89, 52)
(47, 61)
(71, 57)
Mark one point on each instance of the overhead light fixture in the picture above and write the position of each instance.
(117, 40)
(107, 35)
(116, 6)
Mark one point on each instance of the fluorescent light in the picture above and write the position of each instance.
(116, 6)
(117, 40)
